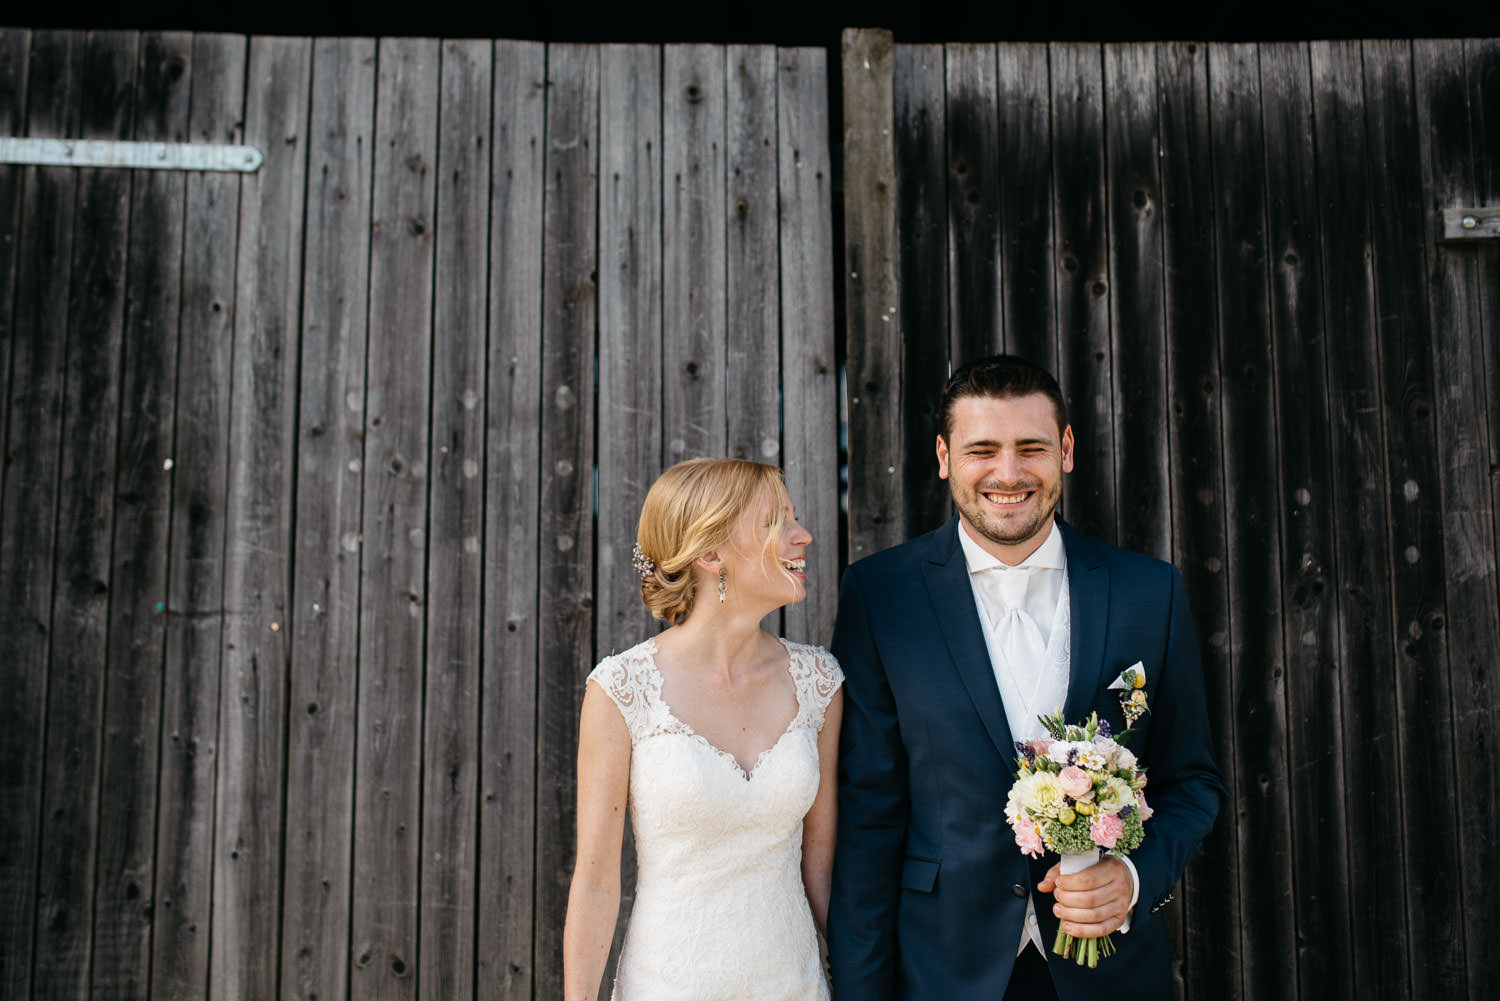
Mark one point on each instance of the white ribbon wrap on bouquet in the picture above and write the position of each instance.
(1078, 863)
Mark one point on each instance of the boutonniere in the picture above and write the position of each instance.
(1131, 684)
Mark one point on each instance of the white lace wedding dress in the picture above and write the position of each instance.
(720, 912)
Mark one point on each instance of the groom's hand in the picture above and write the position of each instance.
(1091, 903)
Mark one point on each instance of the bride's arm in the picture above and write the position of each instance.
(594, 896)
(820, 826)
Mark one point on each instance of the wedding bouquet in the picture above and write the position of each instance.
(1077, 790)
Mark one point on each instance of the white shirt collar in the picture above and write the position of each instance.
(1050, 555)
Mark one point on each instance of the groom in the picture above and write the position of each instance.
(952, 644)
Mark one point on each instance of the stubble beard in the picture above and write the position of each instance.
(979, 518)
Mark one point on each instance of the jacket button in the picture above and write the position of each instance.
(1018, 890)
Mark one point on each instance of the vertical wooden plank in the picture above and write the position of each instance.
(450, 757)
(142, 501)
(693, 249)
(38, 357)
(566, 535)
(1210, 905)
(630, 353)
(262, 436)
(393, 585)
(1480, 693)
(1256, 625)
(919, 127)
(15, 46)
(872, 318)
(1401, 223)
(330, 454)
(195, 568)
(973, 135)
(1314, 683)
(1025, 164)
(1361, 570)
(1081, 254)
(630, 337)
(76, 676)
(1482, 59)
(1465, 473)
(752, 272)
(508, 703)
(1138, 343)
(29, 471)
(809, 370)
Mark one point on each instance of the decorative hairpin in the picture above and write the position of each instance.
(641, 562)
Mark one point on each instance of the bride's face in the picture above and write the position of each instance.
(765, 559)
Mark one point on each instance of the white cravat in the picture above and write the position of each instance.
(1019, 606)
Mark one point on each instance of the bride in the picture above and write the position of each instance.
(722, 739)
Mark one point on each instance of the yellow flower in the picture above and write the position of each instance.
(1066, 817)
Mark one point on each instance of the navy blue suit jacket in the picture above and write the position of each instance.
(929, 888)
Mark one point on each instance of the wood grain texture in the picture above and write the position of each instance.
(1361, 569)
(196, 562)
(257, 574)
(1446, 133)
(455, 502)
(1138, 343)
(76, 676)
(630, 329)
(872, 319)
(972, 132)
(143, 502)
(321, 712)
(15, 49)
(1027, 269)
(1082, 259)
(809, 381)
(693, 249)
(566, 534)
(507, 961)
(752, 272)
(1211, 954)
(1256, 626)
(36, 325)
(1314, 681)
(919, 131)
(384, 918)
(1400, 223)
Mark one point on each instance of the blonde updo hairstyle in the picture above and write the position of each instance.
(690, 511)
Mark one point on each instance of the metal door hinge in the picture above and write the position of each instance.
(1462, 225)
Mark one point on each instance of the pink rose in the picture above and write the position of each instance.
(1029, 840)
(1106, 830)
(1041, 746)
(1140, 802)
(1075, 781)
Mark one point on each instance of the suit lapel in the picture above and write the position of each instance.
(1088, 609)
(947, 578)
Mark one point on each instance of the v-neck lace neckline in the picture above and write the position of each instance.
(686, 729)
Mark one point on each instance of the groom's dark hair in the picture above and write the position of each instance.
(999, 376)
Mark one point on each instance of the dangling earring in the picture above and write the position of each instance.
(723, 584)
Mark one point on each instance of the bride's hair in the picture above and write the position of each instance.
(690, 510)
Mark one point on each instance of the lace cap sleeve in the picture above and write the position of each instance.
(626, 679)
(818, 676)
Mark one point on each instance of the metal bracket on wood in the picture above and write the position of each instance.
(129, 155)
(1464, 225)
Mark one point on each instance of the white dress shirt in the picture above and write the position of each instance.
(1039, 683)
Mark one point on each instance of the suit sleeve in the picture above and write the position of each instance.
(1184, 787)
(873, 812)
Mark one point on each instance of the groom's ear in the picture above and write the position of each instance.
(942, 457)
(1067, 449)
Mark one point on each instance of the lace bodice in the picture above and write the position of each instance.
(720, 911)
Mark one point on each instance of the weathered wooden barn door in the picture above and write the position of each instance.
(1282, 382)
(320, 481)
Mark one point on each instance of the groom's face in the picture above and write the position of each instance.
(1004, 460)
